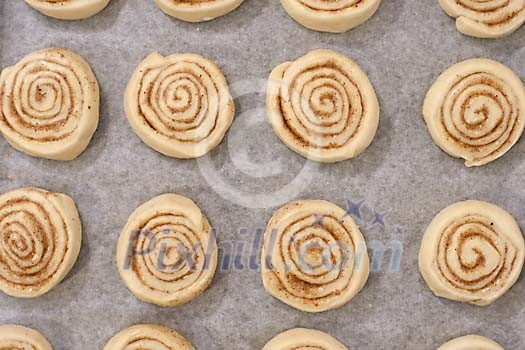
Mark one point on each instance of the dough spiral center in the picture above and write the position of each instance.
(314, 258)
(179, 105)
(167, 252)
(473, 256)
(323, 106)
(49, 104)
(33, 241)
(181, 102)
(480, 111)
(475, 110)
(40, 237)
(44, 100)
(173, 256)
(472, 251)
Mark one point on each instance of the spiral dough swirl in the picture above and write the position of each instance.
(314, 257)
(148, 337)
(14, 337)
(304, 339)
(323, 106)
(50, 104)
(486, 18)
(197, 10)
(473, 252)
(167, 254)
(475, 111)
(334, 16)
(471, 342)
(68, 9)
(40, 237)
(179, 105)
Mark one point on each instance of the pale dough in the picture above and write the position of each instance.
(487, 18)
(179, 105)
(323, 106)
(167, 253)
(197, 10)
(471, 342)
(19, 337)
(314, 257)
(40, 238)
(49, 104)
(472, 252)
(148, 337)
(476, 110)
(303, 339)
(333, 16)
(68, 9)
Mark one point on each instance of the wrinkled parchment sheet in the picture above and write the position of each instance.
(403, 49)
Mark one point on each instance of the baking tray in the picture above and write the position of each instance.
(402, 176)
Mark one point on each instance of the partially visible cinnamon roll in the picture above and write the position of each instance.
(49, 104)
(304, 339)
(473, 252)
(40, 238)
(314, 257)
(68, 9)
(197, 10)
(476, 110)
(471, 342)
(179, 105)
(486, 18)
(148, 337)
(14, 337)
(334, 16)
(167, 253)
(323, 106)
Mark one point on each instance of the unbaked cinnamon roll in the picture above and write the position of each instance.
(14, 337)
(148, 337)
(304, 339)
(334, 16)
(197, 10)
(486, 18)
(323, 106)
(49, 104)
(471, 342)
(472, 252)
(40, 238)
(68, 9)
(179, 105)
(314, 257)
(167, 253)
(476, 111)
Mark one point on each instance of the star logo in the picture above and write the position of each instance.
(354, 209)
(318, 220)
(379, 219)
(399, 231)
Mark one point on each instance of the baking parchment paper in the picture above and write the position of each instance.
(403, 178)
